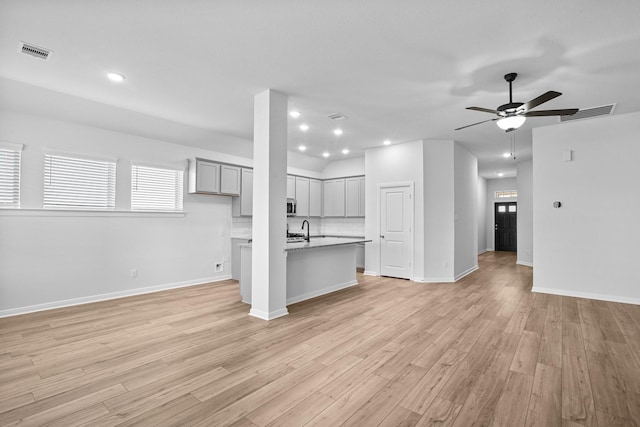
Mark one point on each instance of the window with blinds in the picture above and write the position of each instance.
(73, 182)
(10, 175)
(156, 188)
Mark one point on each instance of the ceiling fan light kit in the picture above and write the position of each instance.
(512, 115)
(511, 122)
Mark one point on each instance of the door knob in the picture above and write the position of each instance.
(381, 236)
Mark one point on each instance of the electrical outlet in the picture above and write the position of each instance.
(134, 273)
(218, 267)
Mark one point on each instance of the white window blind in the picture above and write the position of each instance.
(10, 176)
(72, 182)
(156, 188)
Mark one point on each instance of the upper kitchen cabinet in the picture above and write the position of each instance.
(204, 177)
(354, 196)
(230, 180)
(243, 205)
(315, 197)
(334, 204)
(291, 187)
(302, 196)
(207, 177)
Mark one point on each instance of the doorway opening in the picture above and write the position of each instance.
(506, 226)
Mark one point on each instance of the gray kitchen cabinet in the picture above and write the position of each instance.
(354, 188)
(302, 196)
(315, 197)
(362, 190)
(333, 198)
(291, 187)
(230, 180)
(207, 177)
(243, 205)
(235, 256)
(204, 177)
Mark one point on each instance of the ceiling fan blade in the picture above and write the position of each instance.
(565, 112)
(484, 110)
(548, 96)
(484, 121)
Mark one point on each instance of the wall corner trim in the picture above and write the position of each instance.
(587, 295)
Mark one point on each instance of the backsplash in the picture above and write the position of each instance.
(343, 226)
(241, 226)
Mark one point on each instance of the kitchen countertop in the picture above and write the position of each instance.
(320, 242)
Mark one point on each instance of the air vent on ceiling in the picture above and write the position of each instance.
(585, 113)
(35, 51)
(337, 116)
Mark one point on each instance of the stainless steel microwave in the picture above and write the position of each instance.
(291, 207)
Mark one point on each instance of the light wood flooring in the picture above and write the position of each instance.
(389, 352)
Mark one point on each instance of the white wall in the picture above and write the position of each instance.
(465, 213)
(589, 246)
(395, 163)
(342, 168)
(439, 206)
(482, 215)
(524, 180)
(493, 185)
(49, 259)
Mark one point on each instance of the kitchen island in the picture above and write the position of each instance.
(315, 267)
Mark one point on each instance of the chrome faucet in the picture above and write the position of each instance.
(308, 226)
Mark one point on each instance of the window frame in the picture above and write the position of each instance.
(74, 187)
(15, 188)
(505, 194)
(176, 193)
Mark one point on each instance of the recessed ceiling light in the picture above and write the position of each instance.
(386, 142)
(345, 151)
(304, 127)
(500, 174)
(115, 77)
(337, 132)
(325, 154)
(295, 114)
(505, 155)
(302, 148)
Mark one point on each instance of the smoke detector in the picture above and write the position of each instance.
(35, 51)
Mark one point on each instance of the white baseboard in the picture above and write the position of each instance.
(370, 273)
(481, 251)
(588, 295)
(112, 295)
(465, 273)
(525, 263)
(320, 292)
(268, 315)
(434, 279)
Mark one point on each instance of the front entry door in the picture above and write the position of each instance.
(506, 226)
(396, 207)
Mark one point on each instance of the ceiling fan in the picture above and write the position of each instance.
(513, 115)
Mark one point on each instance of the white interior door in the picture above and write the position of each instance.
(396, 224)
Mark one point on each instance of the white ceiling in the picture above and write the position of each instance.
(399, 70)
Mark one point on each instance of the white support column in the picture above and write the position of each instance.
(269, 262)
